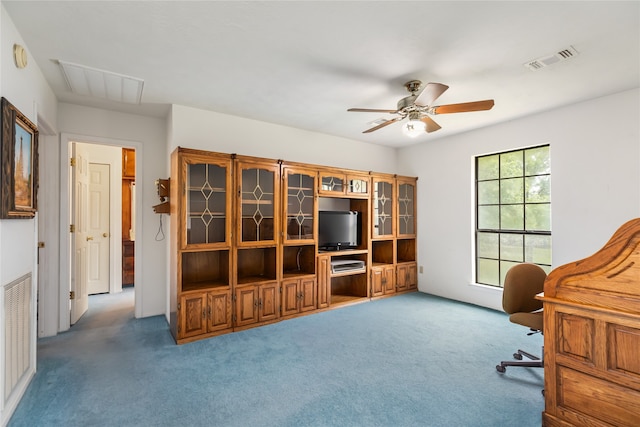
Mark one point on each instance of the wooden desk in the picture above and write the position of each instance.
(592, 336)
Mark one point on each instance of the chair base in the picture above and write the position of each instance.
(533, 362)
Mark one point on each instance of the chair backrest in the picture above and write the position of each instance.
(521, 284)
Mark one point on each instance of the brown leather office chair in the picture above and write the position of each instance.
(521, 285)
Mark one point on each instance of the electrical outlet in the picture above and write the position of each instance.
(421, 270)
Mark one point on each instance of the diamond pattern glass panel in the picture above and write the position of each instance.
(332, 183)
(406, 209)
(257, 205)
(358, 186)
(382, 209)
(300, 206)
(206, 203)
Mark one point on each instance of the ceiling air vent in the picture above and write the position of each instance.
(545, 61)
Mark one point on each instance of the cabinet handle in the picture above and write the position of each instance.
(204, 313)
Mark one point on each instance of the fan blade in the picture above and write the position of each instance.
(464, 107)
(432, 126)
(380, 126)
(371, 110)
(430, 93)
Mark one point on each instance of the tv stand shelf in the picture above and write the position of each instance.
(344, 252)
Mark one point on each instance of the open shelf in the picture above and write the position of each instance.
(406, 250)
(256, 265)
(348, 286)
(298, 260)
(205, 269)
(382, 251)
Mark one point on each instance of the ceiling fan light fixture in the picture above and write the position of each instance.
(414, 126)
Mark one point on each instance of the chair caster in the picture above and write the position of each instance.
(517, 356)
(501, 368)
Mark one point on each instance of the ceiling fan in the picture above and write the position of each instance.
(418, 106)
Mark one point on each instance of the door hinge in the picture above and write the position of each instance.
(40, 245)
(178, 306)
(72, 161)
(72, 295)
(72, 228)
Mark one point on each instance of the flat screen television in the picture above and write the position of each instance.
(338, 230)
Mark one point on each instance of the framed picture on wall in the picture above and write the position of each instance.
(18, 164)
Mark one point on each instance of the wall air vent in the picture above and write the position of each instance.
(545, 61)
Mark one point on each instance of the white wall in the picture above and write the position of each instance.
(27, 90)
(595, 187)
(147, 135)
(206, 130)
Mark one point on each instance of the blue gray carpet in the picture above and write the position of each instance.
(410, 360)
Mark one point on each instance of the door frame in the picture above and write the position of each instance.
(66, 139)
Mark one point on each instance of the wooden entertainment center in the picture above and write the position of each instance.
(244, 240)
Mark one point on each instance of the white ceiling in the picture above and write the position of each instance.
(304, 63)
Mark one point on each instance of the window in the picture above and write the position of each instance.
(513, 212)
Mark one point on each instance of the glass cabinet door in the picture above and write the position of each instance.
(300, 193)
(206, 204)
(406, 209)
(357, 185)
(331, 183)
(382, 203)
(257, 203)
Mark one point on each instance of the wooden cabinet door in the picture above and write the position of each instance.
(332, 183)
(406, 207)
(128, 163)
(407, 277)
(412, 276)
(401, 278)
(192, 315)
(324, 281)
(308, 294)
(299, 204)
(218, 310)
(258, 203)
(388, 280)
(298, 295)
(246, 305)
(382, 208)
(358, 185)
(205, 195)
(268, 304)
(377, 288)
(290, 297)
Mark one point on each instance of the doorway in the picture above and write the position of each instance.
(103, 220)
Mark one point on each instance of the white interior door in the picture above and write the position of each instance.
(80, 179)
(98, 234)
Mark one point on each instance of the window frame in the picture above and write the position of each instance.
(524, 232)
